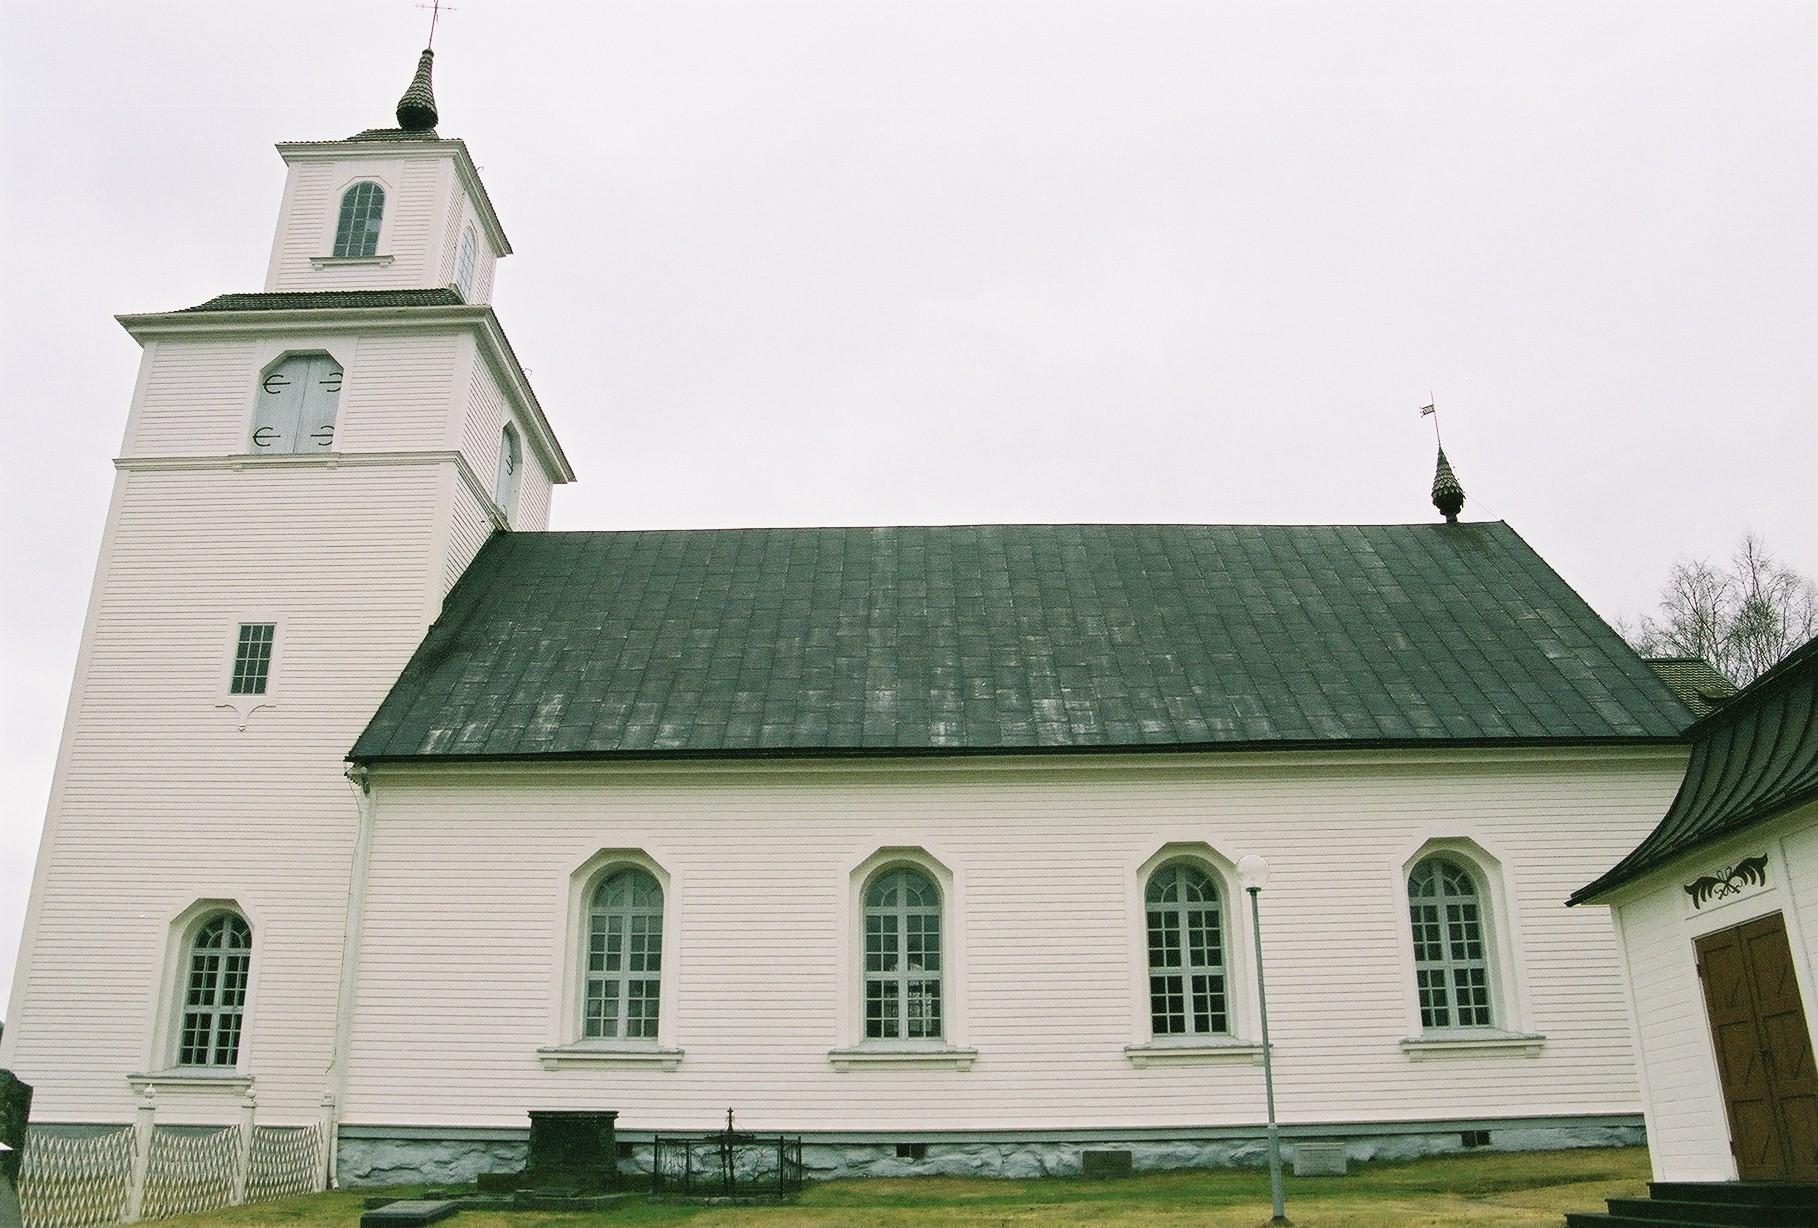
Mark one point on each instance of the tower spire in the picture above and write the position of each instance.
(1448, 495)
(417, 109)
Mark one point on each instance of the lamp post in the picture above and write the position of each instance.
(1253, 873)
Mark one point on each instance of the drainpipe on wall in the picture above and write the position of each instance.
(336, 1095)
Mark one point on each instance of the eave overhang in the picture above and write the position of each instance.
(478, 319)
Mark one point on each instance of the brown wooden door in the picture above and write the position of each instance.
(1764, 1049)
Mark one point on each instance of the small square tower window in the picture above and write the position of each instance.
(252, 658)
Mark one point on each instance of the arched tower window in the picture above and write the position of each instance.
(357, 230)
(624, 958)
(1186, 953)
(214, 992)
(511, 458)
(1451, 966)
(296, 405)
(902, 957)
(464, 264)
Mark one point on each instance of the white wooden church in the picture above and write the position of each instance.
(382, 803)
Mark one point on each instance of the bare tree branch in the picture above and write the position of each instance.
(1742, 619)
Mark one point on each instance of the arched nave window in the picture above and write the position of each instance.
(357, 229)
(1186, 930)
(624, 958)
(902, 957)
(214, 991)
(1451, 958)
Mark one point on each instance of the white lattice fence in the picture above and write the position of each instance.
(75, 1182)
(187, 1173)
(285, 1160)
(86, 1182)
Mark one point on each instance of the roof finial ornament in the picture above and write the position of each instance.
(1448, 495)
(417, 109)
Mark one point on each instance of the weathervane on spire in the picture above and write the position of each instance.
(1448, 495)
(435, 11)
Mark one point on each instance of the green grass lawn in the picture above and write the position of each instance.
(1509, 1189)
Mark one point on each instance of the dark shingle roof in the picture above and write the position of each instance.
(1011, 638)
(1696, 681)
(1752, 759)
(322, 300)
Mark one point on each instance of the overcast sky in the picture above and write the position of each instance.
(882, 263)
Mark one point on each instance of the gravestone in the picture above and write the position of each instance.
(15, 1111)
(575, 1149)
(1319, 1160)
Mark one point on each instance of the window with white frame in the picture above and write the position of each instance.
(252, 659)
(214, 992)
(1451, 957)
(902, 914)
(357, 229)
(295, 405)
(623, 995)
(1186, 930)
(464, 264)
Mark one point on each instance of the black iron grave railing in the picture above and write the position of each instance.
(729, 1164)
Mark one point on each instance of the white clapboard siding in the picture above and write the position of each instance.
(482, 429)
(470, 524)
(195, 399)
(465, 942)
(397, 396)
(168, 794)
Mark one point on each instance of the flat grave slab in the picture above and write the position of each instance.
(409, 1213)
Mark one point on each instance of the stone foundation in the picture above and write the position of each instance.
(365, 1159)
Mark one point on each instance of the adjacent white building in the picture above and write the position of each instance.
(376, 800)
(1717, 915)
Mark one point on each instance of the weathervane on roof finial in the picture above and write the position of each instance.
(435, 11)
(1448, 495)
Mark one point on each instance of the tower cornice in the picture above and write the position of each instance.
(476, 318)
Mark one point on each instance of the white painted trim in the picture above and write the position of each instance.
(1196, 1052)
(228, 1083)
(1466, 1043)
(337, 262)
(848, 1060)
(428, 149)
(593, 1053)
(238, 461)
(1510, 1008)
(1242, 1006)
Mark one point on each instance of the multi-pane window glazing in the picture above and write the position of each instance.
(357, 229)
(1186, 953)
(1451, 969)
(902, 958)
(624, 958)
(214, 994)
(252, 659)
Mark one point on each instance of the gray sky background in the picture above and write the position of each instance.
(884, 263)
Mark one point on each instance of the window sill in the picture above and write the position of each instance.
(1482, 1043)
(902, 1059)
(594, 1054)
(200, 1079)
(1194, 1053)
(341, 262)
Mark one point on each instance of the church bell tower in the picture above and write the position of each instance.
(305, 471)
